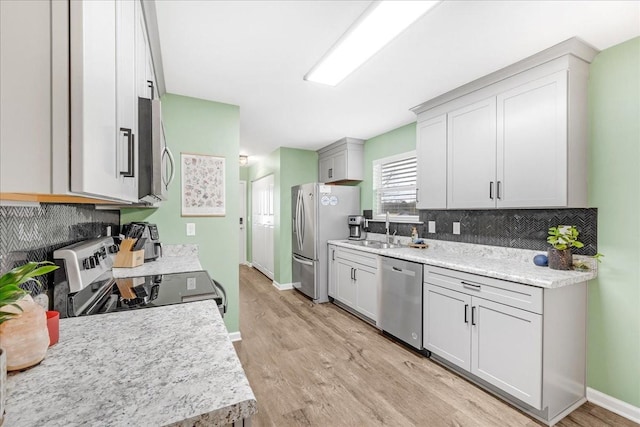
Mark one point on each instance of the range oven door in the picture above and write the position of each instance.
(304, 276)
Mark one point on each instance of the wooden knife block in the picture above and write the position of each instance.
(126, 258)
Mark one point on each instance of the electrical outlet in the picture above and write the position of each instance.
(191, 283)
(432, 226)
(456, 228)
(191, 229)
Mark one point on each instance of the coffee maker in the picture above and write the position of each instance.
(356, 227)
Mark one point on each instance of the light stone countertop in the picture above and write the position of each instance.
(172, 365)
(515, 265)
(176, 259)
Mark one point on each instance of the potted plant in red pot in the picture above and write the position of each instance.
(562, 238)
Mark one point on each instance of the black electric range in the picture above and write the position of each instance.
(86, 288)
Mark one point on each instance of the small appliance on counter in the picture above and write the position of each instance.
(149, 232)
(356, 227)
(84, 284)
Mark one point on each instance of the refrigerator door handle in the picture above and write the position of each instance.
(302, 261)
(302, 220)
(297, 220)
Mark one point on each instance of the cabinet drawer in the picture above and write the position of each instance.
(370, 260)
(513, 294)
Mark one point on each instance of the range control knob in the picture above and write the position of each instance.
(96, 257)
(92, 262)
(86, 263)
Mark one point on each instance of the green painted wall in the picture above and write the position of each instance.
(244, 173)
(204, 127)
(289, 167)
(397, 141)
(614, 188)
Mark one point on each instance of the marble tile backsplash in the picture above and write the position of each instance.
(33, 233)
(511, 228)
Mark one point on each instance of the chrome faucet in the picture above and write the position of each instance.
(386, 226)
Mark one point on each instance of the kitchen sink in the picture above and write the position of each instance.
(374, 244)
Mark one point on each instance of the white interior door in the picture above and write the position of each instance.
(243, 222)
(262, 223)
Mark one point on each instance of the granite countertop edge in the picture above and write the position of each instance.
(505, 269)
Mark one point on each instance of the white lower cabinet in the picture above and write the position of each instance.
(506, 349)
(353, 280)
(332, 270)
(500, 344)
(525, 343)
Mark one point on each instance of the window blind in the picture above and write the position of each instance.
(394, 185)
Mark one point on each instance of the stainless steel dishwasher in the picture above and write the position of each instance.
(401, 301)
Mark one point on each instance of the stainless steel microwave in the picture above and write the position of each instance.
(156, 162)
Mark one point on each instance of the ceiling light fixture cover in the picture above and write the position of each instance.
(374, 29)
(244, 160)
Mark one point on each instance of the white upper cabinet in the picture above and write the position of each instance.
(341, 161)
(103, 103)
(431, 150)
(471, 148)
(532, 144)
(71, 75)
(25, 100)
(516, 138)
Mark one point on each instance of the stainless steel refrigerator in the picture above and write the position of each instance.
(319, 214)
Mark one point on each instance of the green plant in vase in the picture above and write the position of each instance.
(562, 238)
(23, 324)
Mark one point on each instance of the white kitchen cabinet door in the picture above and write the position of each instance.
(447, 325)
(345, 284)
(332, 271)
(431, 150)
(325, 167)
(507, 349)
(532, 144)
(95, 138)
(366, 279)
(471, 156)
(25, 97)
(127, 99)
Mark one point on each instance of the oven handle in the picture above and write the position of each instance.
(224, 295)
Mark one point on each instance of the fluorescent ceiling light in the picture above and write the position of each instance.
(376, 27)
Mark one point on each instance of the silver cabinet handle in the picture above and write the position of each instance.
(417, 201)
(491, 190)
(130, 172)
(498, 190)
(471, 286)
(330, 172)
(355, 278)
(473, 315)
(172, 162)
(466, 313)
(333, 255)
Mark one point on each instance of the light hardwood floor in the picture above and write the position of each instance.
(318, 365)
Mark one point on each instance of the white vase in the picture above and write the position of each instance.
(25, 337)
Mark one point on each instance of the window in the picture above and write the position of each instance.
(394, 187)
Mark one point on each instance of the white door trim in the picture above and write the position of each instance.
(243, 233)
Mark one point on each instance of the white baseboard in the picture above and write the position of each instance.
(617, 406)
(282, 286)
(248, 264)
(235, 336)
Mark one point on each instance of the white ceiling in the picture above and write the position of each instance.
(255, 53)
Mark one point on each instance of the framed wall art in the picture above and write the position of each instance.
(202, 185)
